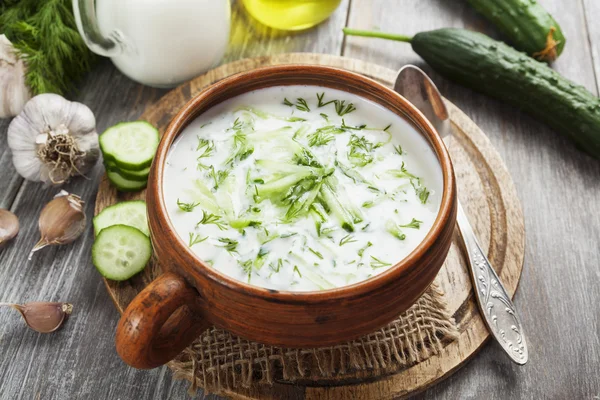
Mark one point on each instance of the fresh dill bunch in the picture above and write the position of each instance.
(44, 35)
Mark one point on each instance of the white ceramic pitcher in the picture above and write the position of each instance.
(158, 43)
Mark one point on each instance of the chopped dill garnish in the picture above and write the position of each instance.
(377, 263)
(364, 228)
(414, 224)
(207, 147)
(302, 105)
(362, 249)
(237, 124)
(187, 207)
(208, 218)
(319, 138)
(342, 109)
(387, 127)
(195, 239)
(360, 148)
(347, 239)
(325, 116)
(229, 244)
(276, 267)
(287, 102)
(297, 270)
(217, 176)
(355, 128)
(247, 267)
(206, 124)
(320, 97)
(368, 204)
(399, 150)
(316, 253)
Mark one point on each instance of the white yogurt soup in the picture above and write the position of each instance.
(301, 188)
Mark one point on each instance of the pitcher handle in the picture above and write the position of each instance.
(160, 322)
(87, 24)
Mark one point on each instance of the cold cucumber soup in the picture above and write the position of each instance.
(301, 188)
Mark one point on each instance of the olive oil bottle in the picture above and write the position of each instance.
(291, 15)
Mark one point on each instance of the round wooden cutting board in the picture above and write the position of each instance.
(486, 191)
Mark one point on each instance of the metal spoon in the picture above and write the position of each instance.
(496, 307)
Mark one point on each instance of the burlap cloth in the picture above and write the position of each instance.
(219, 360)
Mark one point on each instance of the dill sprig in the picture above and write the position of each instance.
(207, 148)
(229, 244)
(399, 150)
(414, 224)
(287, 102)
(217, 176)
(247, 267)
(302, 105)
(377, 263)
(342, 109)
(347, 239)
(208, 218)
(195, 239)
(319, 138)
(45, 36)
(276, 267)
(320, 102)
(187, 207)
(297, 271)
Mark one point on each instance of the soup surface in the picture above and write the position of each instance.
(301, 188)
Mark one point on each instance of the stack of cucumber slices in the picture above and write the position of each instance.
(128, 149)
(122, 247)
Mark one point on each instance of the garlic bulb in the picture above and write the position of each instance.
(14, 93)
(53, 139)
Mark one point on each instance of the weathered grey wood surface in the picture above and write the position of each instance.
(559, 296)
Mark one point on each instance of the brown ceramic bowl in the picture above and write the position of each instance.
(191, 296)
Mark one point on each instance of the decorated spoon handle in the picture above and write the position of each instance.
(496, 307)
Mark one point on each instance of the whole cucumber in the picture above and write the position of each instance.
(527, 24)
(496, 69)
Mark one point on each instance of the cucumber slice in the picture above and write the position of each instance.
(120, 252)
(130, 213)
(141, 175)
(130, 145)
(123, 184)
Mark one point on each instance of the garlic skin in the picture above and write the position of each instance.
(9, 227)
(53, 139)
(61, 222)
(14, 92)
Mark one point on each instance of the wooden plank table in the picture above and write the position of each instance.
(559, 297)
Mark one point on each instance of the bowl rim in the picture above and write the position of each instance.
(413, 116)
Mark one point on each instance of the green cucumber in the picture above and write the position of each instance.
(123, 184)
(491, 67)
(528, 26)
(120, 252)
(130, 145)
(130, 213)
(141, 175)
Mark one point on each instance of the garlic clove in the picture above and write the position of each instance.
(62, 221)
(43, 317)
(14, 92)
(9, 226)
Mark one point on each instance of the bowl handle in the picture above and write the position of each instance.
(161, 321)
